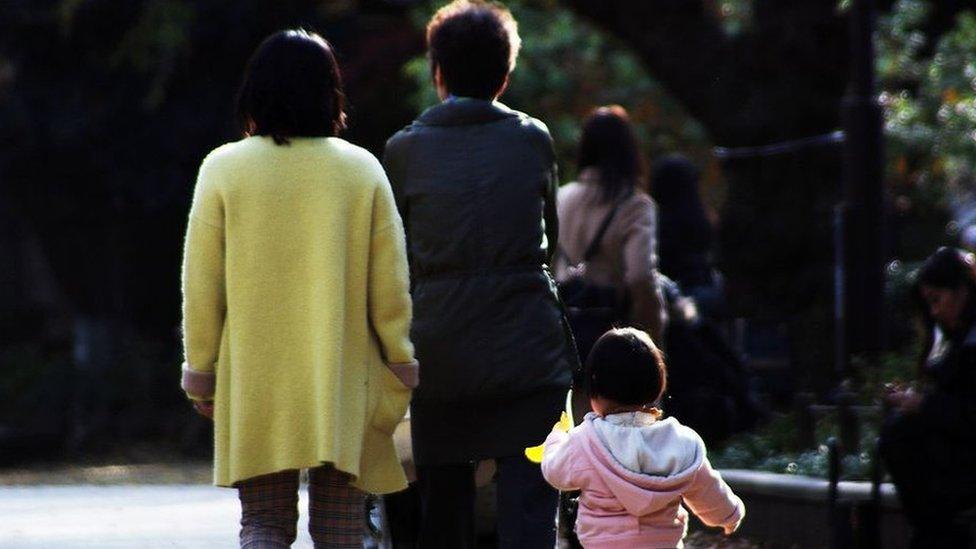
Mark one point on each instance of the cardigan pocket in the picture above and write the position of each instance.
(393, 398)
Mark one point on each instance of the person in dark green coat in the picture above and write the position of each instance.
(475, 183)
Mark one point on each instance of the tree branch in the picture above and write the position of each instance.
(678, 42)
(781, 78)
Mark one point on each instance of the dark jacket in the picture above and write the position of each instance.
(950, 404)
(684, 231)
(930, 452)
(475, 183)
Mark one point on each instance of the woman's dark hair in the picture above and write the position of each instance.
(609, 144)
(947, 269)
(626, 367)
(475, 44)
(292, 88)
(683, 226)
(674, 183)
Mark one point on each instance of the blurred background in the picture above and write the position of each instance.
(107, 108)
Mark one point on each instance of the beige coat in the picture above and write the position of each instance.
(628, 251)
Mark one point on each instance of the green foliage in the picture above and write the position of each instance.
(567, 67)
(892, 368)
(929, 97)
(776, 446)
(774, 449)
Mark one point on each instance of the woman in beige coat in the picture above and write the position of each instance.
(611, 177)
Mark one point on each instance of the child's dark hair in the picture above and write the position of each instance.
(625, 366)
(474, 43)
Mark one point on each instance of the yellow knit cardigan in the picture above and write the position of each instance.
(296, 310)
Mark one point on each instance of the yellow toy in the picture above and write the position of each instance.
(565, 424)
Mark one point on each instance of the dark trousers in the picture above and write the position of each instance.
(526, 506)
(934, 478)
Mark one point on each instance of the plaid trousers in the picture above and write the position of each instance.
(269, 510)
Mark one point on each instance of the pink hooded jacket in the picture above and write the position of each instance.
(635, 472)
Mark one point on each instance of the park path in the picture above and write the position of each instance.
(183, 516)
(146, 506)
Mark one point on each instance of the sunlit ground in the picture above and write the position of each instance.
(146, 506)
(120, 516)
(121, 506)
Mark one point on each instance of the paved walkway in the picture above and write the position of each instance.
(187, 516)
(145, 506)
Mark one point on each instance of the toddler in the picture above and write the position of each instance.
(636, 472)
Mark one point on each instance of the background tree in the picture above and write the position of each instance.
(929, 95)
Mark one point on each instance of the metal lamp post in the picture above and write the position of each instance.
(864, 219)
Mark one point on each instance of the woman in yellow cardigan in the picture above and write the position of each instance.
(296, 304)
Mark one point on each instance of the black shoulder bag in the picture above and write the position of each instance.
(592, 309)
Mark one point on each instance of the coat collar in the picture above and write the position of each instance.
(464, 111)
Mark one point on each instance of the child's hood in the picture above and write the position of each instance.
(647, 464)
